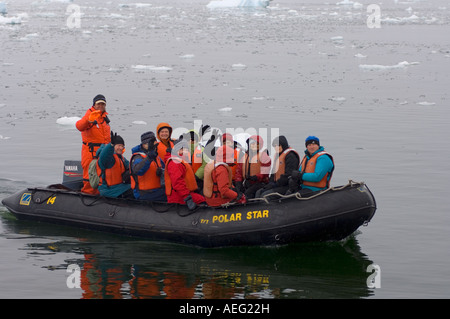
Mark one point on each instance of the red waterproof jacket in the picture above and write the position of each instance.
(176, 171)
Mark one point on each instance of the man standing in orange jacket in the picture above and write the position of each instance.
(95, 131)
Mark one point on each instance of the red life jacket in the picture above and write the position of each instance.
(189, 178)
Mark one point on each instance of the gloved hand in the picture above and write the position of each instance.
(191, 205)
(126, 177)
(151, 144)
(113, 138)
(94, 116)
(297, 176)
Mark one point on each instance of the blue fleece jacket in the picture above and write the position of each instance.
(324, 165)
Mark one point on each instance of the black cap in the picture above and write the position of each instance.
(98, 98)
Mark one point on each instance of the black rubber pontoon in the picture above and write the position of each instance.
(330, 215)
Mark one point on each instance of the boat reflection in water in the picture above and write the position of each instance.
(113, 266)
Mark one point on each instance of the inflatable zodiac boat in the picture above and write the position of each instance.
(333, 214)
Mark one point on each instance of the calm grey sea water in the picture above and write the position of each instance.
(378, 99)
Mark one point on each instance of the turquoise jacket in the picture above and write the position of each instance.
(324, 165)
(106, 160)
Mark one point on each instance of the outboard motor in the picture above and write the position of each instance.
(73, 175)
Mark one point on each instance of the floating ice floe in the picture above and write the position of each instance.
(360, 56)
(13, 20)
(217, 4)
(3, 9)
(225, 109)
(68, 121)
(413, 19)
(4, 137)
(136, 5)
(353, 4)
(29, 37)
(160, 69)
(61, 1)
(338, 38)
(377, 67)
(338, 99)
(239, 66)
(426, 103)
(139, 122)
(187, 56)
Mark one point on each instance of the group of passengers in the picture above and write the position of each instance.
(183, 171)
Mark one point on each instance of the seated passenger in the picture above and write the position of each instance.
(198, 160)
(228, 140)
(113, 169)
(179, 177)
(287, 160)
(147, 170)
(164, 135)
(218, 186)
(254, 170)
(315, 171)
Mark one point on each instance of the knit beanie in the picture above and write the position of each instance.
(147, 136)
(312, 140)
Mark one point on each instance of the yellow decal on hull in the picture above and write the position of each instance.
(237, 217)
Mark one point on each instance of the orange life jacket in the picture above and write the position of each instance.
(252, 168)
(162, 149)
(209, 185)
(189, 177)
(149, 180)
(112, 176)
(237, 154)
(310, 168)
(280, 163)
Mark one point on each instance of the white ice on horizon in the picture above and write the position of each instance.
(217, 4)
